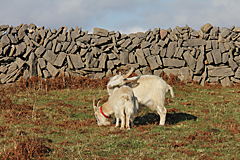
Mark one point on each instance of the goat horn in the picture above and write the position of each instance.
(100, 99)
(129, 73)
(127, 80)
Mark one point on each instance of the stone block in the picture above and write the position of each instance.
(20, 49)
(60, 59)
(152, 62)
(39, 51)
(100, 32)
(50, 56)
(140, 57)
(110, 65)
(206, 27)
(52, 70)
(225, 82)
(224, 58)
(5, 41)
(124, 57)
(126, 43)
(102, 60)
(200, 64)
(190, 60)
(171, 49)
(169, 62)
(220, 71)
(76, 61)
(194, 42)
(100, 41)
(216, 56)
(232, 64)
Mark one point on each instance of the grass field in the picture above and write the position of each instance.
(55, 120)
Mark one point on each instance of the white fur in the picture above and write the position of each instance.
(150, 91)
(123, 103)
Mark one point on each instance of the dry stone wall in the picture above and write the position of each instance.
(211, 54)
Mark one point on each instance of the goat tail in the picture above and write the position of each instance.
(171, 90)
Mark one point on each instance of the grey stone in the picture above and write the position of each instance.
(42, 63)
(5, 40)
(52, 70)
(116, 62)
(100, 41)
(102, 59)
(20, 49)
(28, 51)
(69, 62)
(65, 46)
(157, 72)
(152, 62)
(200, 64)
(49, 56)
(60, 59)
(209, 57)
(132, 57)
(111, 56)
(208, 45)
(220, 71)
(124, 57)
(126, 43)
(61, 38)
(156, 50)
(159, 61)
(13, 39)
(100, 32)
(171, 49)
(99, 75)
(179, 53)
(85, 39)
(168, 62)
(58, 47)
(75, 34)
(32, 62)
(19, 62)
(146, 52)
(145, 44)
(194, 42)
(224, 32)
(206, 27)
(225, 82)
(140, 57)
(190, 60)
(182, 73)
(224, 58)
(39, 51)
(214, 44)
(70, 47)
(237, 60)
(110, 65)
(232, 64)
(221, 47)
(236, 80)
(237, 73)
(216, 56)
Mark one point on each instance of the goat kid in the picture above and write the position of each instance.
(150, 90)
(122, 102)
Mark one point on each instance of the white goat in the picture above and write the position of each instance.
(150, 90)
(122, 102)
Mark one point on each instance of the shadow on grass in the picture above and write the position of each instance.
(171, 119)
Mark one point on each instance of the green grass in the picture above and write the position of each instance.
(202, 123)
